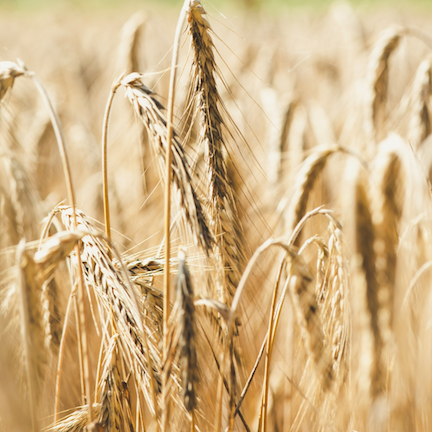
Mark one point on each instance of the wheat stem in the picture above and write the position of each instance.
(270, 331)
(116, 84)
(167, 202)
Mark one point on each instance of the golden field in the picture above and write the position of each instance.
(300, 213)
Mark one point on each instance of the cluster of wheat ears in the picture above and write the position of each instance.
(288, 285)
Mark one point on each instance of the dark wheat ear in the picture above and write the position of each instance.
(371, 379)
(150, 111)
(387, 193)
(223, 210)
(187, 334)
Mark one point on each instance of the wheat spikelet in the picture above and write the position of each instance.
(224, 216)
(376, 84)
(150, 112)
(304, 183)
(108, 284)
(420, 122)
(188, 331)
(129, 44)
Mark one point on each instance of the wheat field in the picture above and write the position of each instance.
(216, 220)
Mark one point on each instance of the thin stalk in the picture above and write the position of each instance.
(68, 178)
(269, 349)
(80, 352)
(241, 286)
(166, 300)
(114, 87)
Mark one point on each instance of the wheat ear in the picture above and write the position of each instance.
(304, 183)
(387, 197)
(307, 314)
(77, 421)
(32, 328)
(150, 111)
(366, 286)
(224, 216)
(376, 84)
(128, 50)
(119, 298)
(420, 122)
(188, 331)
(115, 413)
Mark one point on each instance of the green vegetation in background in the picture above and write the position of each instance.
(269, 5)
